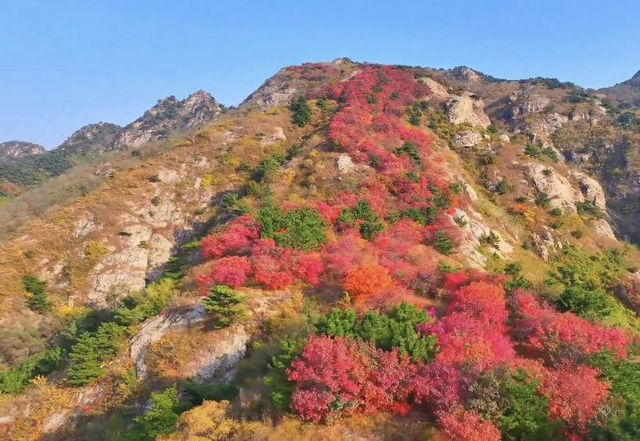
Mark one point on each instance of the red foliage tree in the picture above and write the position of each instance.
(237, 238)
(474, 330)
(350, 375)
(232, 271)
(462, 425)
(562, 335)
(367, 280)
(575, 394)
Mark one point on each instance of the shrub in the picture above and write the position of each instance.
(277, 378)
(502, 187)
(336, 375)
(224, 304)
(301, 111)
(624, 377)
(409, 149)
(232, 271)
(442, 243)
(589, 210)
(39, 300)
(511, 399)
(151, 302)
(267, 167)
(160, 419)
(365, 281)
(17, 379)
(491, 239)
(542, 200)
(237, 238)
(91, 351)
(369, 230)
(302, 228)
(396, 329)
(155, 201)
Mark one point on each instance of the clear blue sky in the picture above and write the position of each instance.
(64, 64)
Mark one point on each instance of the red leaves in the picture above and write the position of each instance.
(575, 393)
(468, 426)
(236, 239)
(272, 267)
(562, 335)
(347, 375)
(474, 331)
(370, 126)
(365, 281)
(231, 271)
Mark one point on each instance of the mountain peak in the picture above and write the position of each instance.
(12, 150)
(93, 137)
(168, 115)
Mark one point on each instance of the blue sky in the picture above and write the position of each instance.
(64, 64)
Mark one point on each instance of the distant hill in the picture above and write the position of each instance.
(26, 165)
(16, 150)
(628, 91)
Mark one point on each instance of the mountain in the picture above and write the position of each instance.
(167, 116)
(15, 150)
(358, 251)
(31, 165)
(93, 138)
(626, 92)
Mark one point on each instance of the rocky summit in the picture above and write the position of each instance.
(357, 252)
(13, 150)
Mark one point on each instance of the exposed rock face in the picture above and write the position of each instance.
(273, 92)
(545, 244)
(557, 187)
(156, 328)
(159, 253)
(468, 109)
(525, 103)
(474, 232)
(466, 75)
(437, 89)
(591, 190)
(123, 271)
(222, 356)
(12, 150)
(92, 138)
(169, 115)
(546, 125)
(467, 139)
(603, 228)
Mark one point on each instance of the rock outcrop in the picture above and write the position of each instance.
(560, 192)
(156, 328)
(524, 103)
(221, 356)
(591, 190)
(467, 108)
(437, 89)
(467, 139)
(169, 115)
(12, 150)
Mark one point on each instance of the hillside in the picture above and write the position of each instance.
(356, 252)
